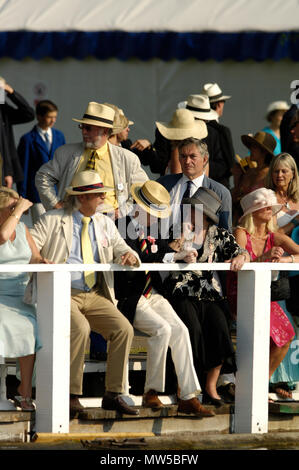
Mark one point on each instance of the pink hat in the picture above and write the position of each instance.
(259, 199)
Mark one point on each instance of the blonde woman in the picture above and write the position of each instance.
(18, 326)
(257, 234)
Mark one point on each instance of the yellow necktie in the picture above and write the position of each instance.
(91, 164)
(87, 255)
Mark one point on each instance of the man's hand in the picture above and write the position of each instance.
(59, 205)
(8, 181)
(141, 144)
(128, 259)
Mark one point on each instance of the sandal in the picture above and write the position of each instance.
(25, 403)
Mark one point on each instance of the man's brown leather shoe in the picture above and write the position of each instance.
(151, 400)
(116, 402)
(193, 406)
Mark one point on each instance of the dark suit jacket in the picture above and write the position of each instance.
(9, 116)
(129, 285)
(33, 153)
(225, 214)
(221, 170)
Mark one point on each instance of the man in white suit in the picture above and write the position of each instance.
(58, 235)
(118, 168)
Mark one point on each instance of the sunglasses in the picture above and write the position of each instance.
(86, 127)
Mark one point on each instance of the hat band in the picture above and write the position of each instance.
(192, 108)
(150, 203)
(95, 118)
(215, 96)
(88, 187)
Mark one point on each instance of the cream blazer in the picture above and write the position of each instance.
(53, 235)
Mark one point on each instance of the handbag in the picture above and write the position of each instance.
(280, 289)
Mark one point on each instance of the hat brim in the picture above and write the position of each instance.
(275, 209)
(71, 192)
(198, 131)
(194, 202)
(161, 214)
(248, 140)
(93, 122)
(221, 98)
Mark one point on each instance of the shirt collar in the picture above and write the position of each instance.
(197, 181)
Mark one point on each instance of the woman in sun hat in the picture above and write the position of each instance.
(261, 147)
(274, 115)
(256, 233)
(198, 297)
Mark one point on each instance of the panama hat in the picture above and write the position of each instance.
(182, 126)
(98, 114)
(122, 113)
(208, 199)
(200, 107)
(214, 92)
(152, 197)
(87, 182)
(277, 106)
(259, 199)
(263, 139)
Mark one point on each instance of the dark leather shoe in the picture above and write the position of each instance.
(75, 405)
(193, 406)
(151, 400)
(117, 403)
(208, 400)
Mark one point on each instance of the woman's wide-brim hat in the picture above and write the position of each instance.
(200, 107)
(263, 139)
(259, 199)
(97, 114)
(277, 106)
(206, 199)
(87, 182)
(120, 122)
(152, 197)
(182, 126)
(214, 93)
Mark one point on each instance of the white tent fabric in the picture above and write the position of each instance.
(149, 15)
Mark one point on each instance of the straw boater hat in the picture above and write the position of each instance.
(214, 93)
(276, 106)
(200, 107)
(263, 139)
(152, 197)
(87, 182)
(259, 199)
(206, 199)
(98, 114)
(182, 126)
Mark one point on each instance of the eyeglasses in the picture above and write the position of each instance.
(86, 127)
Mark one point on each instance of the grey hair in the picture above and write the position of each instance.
(71, 203)
(202, 147)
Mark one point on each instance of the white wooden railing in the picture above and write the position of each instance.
(253, 338)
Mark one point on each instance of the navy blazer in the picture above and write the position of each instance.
(33, 153)
(225, 213)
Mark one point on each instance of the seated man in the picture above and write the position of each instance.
(141, 300)
(117, 167)
(59, 235)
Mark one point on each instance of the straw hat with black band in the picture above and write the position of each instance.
(200, 107)
(182, 126)
(214, 93)
(87, 182)
(152, 197)
(97, 114)
(207, 200)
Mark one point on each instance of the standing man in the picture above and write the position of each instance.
(9, 116)
(36, 148)
(193, 157)
(217, 102)
(118, 168)
(76, 234)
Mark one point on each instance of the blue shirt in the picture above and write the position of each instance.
(75, 257)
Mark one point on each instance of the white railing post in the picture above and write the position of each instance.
(253, 340)
(53, 360)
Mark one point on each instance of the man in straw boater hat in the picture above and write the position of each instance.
(77, 234)
(117, 167)
(217, 103)
(141, 299)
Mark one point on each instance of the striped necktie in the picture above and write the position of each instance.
(91, 164)
(48, 143)
(187, 192)
(87, 254)
(147, 291)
